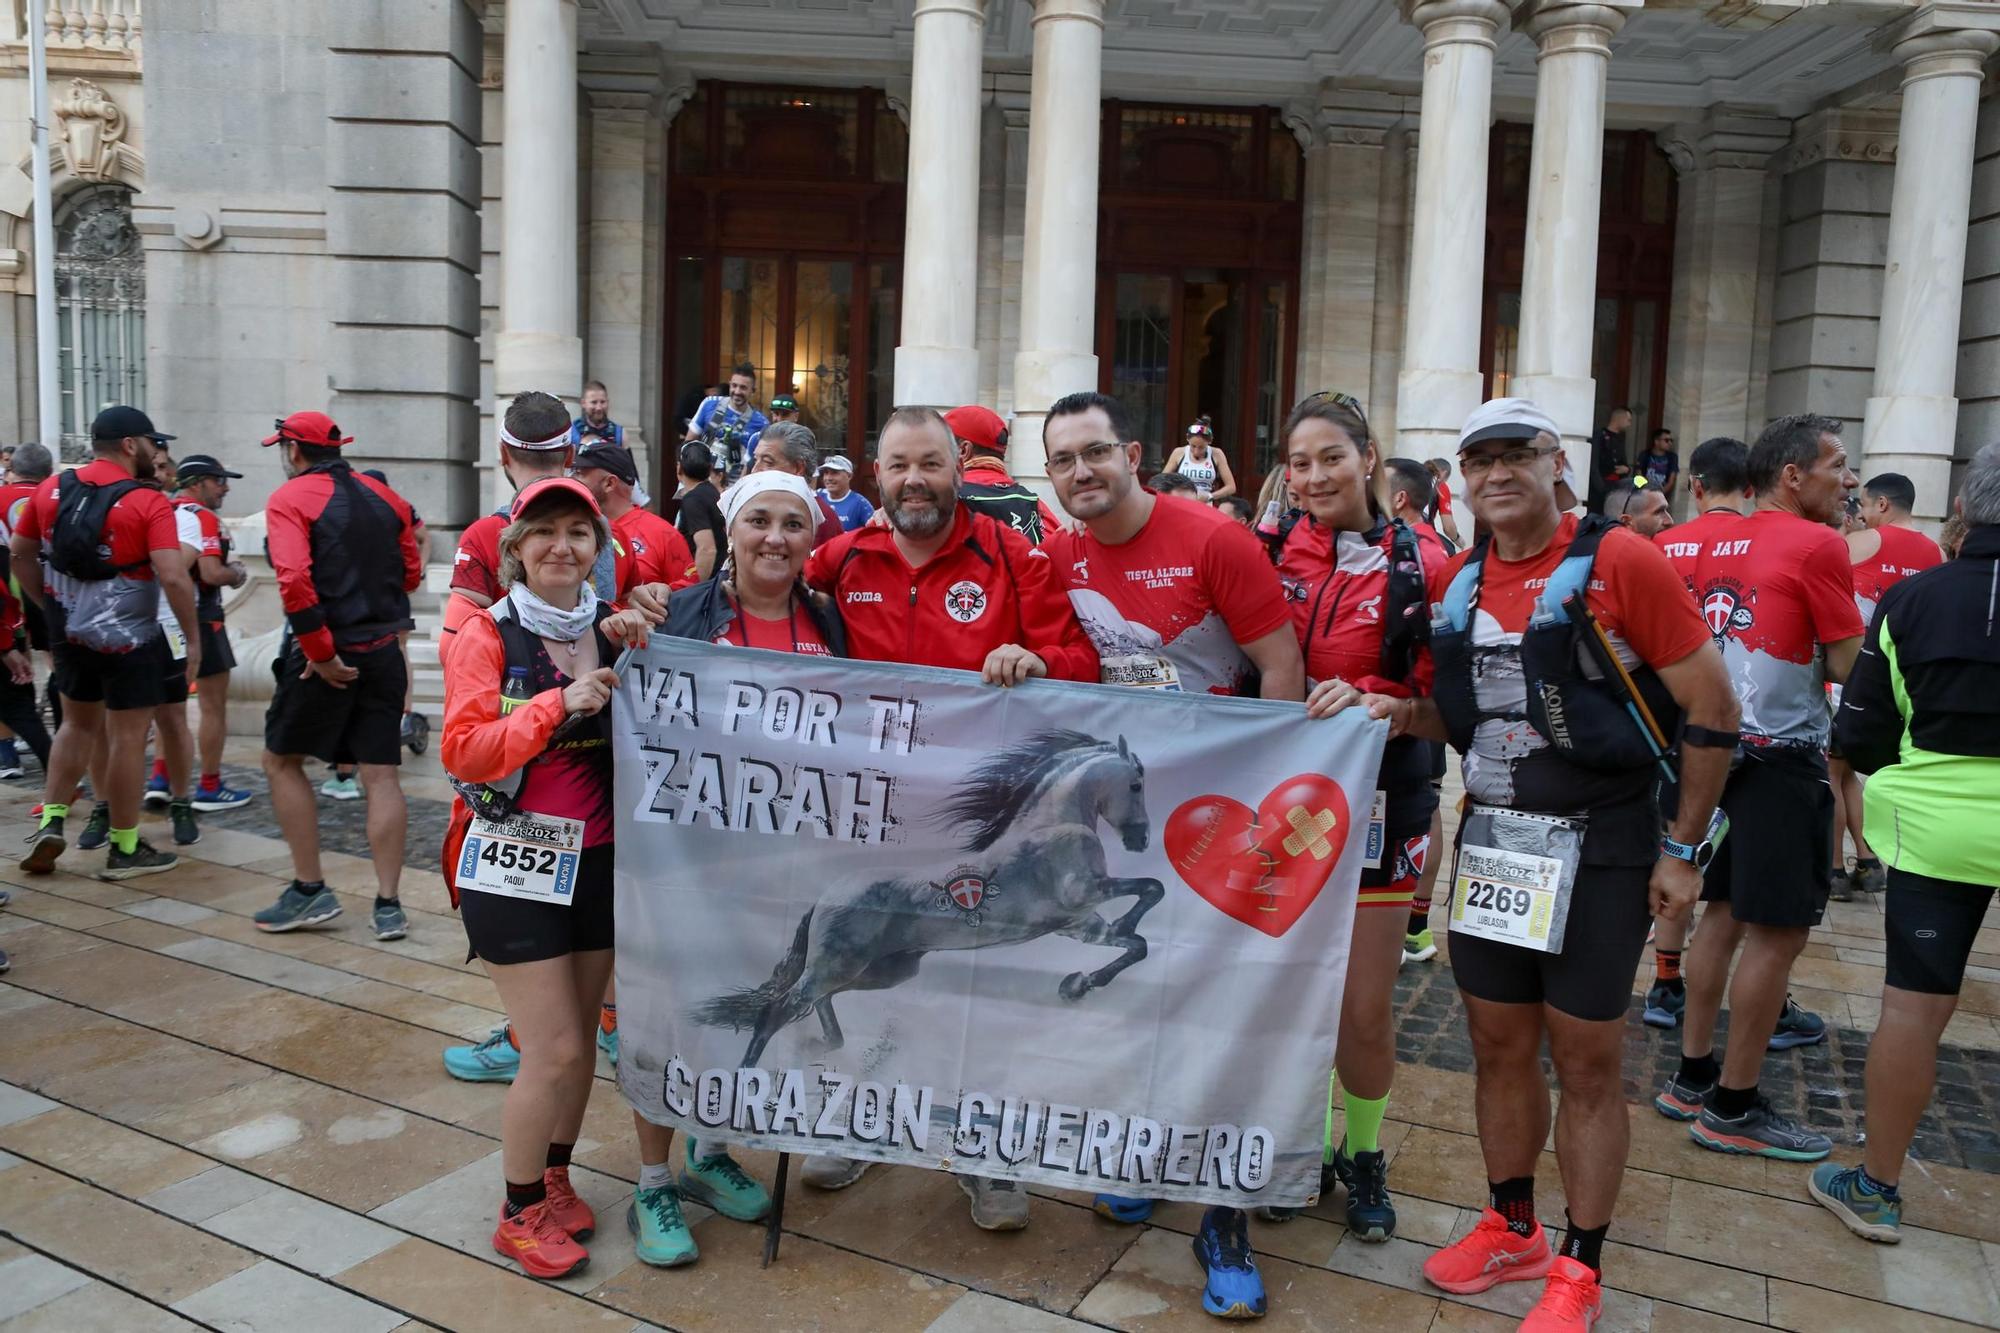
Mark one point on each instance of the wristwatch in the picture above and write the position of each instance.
(1696, 854)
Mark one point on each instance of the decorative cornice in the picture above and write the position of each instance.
(1840, 134)
(1725, 140)
(92, 129)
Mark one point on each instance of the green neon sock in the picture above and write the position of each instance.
(51, 811)
(1364, 1122)
(125, 840)
(1326, 1149)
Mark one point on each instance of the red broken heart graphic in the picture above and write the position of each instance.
(1264, 867)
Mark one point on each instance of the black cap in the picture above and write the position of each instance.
(613, 459)
(201, 465)
(119, 423)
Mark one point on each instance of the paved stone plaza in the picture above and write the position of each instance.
(202, 1126)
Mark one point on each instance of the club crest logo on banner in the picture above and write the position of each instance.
(876, 911)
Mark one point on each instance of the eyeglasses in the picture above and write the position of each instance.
(1339, 399)
(1478, 465)
(1061, 465)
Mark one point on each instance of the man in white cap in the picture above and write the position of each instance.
(1562, 826)
(836, 489)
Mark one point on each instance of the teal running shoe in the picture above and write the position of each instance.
(608, 1043)
(297, 908)
(659, 1232)
(717, 1181)
(1371, 1216)
(1235, 1289)
(1121, 1208)
(1846, 1194)
(492, 1061)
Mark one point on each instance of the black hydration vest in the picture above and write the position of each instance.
(1596, 755)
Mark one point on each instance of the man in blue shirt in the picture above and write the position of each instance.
(836, 477)
(1659, 464)
(595, 423)
(729, 424)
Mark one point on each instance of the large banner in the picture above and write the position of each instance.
(1073, 935)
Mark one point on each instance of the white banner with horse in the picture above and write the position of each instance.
(1072, 935)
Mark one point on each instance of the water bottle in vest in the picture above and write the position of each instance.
(1267, 526)
(515, 691)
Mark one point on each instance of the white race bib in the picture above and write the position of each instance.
(1148, 671)
(1513, 878)
(1378, 829)
(526, 856)
(177, 644)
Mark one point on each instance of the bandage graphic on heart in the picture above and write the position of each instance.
(1262, 867)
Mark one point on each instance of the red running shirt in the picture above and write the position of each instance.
(796, 635)
(1903, 552)
(1169, 608)
(658, 552)
(1684, 543)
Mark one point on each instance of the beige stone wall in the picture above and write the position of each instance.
(1979, 320)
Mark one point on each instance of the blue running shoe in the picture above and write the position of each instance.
(1797, 1027)
(1664, 1005)
(297, 908)
(608, 1043)
(1371, 1216)
(492, 1061)
(96, 829)
(157, 795)
(1868, 1214)
(222, 796)
(1120, 1208)
(1235, 1289)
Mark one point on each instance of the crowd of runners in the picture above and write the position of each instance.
(1652, 712)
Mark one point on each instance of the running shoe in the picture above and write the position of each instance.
(96, 829)
(997, 1205)
(157, 795)
(571, 1213)
(143, 859)
(5, 897)
(832, 1173)
(1121, 1208)
(491, 1061)
(659, 1232)
(1664, 1005)
(186, 831)
(717, 1181)
(296, 908)
(1797, 1027)
(4, 964)
(1869, 876)
(1420, 947)
(389, 921)
(534, 1239)
(1371, 1216)
(1681, 1099)
(340, 789)
(10, 760)
(1489, 1254)
(48, 845)
(1867, 1214)
(220, 797)
(1571, 1302)
(608, 1043)
(1841, 888)
(416, 732)
(1759, 1132)
(1235, 1289)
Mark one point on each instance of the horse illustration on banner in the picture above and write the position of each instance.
(1035, 866)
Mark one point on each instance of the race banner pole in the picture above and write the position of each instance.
(776, 1225)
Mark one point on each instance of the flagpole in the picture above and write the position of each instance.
(47, 381)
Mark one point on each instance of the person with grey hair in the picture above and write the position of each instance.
(790, 446)
(1640, 506)
(1918, 715)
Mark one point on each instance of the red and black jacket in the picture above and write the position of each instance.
(344, 548)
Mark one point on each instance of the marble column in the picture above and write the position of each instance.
(937, 363)
(1440, 382)
(1719, 277)
(1912, 414)
(1565, 185)
(1342, 283)
(1059, 243)
(616, 291)
(538, 346)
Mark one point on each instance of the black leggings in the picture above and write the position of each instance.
(22, 712)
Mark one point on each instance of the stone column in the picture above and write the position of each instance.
(1059, 250)
(1912, 415)
(937, 363)
(1565, 184)
(616, 294)
(538, 346)
(1341, 283)
(1712, 328)
(1439, 383)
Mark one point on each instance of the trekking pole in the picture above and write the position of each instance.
(1599, 645)
(776, 1225)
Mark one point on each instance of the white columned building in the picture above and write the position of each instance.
(1559, 277)
(937, 362)
(1913, 412)
(1059, 249)
(538, 346)
(1440, 382)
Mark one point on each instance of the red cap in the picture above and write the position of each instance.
(979, 427)
(547, 487)
(309, 428)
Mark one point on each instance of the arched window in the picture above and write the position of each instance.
(101, 308)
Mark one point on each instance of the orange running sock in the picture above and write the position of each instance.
(607, 1017)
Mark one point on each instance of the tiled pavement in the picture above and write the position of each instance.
(202, 1126)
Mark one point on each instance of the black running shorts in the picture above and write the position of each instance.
(142, 678)
(216, 654)
(1775, 868)
(1591, 978)
(360, 724)
(1930, 925)
(515, 930)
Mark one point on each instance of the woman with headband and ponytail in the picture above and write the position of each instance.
(1202, 463)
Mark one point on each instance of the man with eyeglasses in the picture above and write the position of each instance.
(1659, 465)
(1561, 815)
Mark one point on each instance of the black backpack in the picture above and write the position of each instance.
(77, 545)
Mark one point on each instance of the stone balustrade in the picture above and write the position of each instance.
(77, 25)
